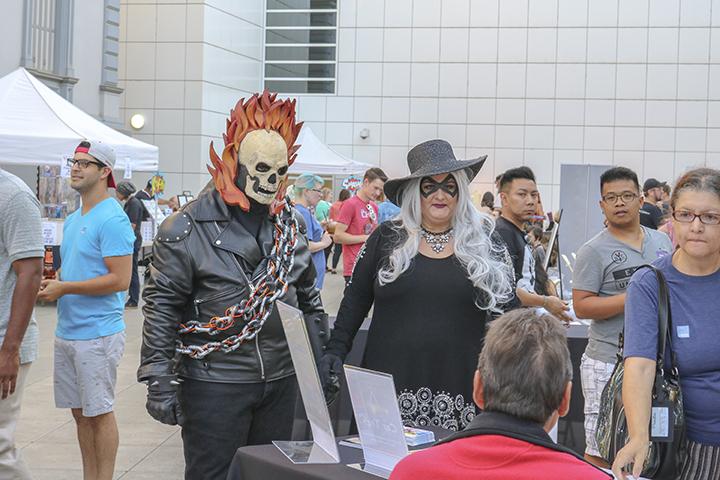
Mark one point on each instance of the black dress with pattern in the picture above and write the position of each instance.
(426, 331)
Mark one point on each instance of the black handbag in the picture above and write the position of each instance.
(665, 458)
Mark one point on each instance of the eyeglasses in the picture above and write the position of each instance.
(71, 162)
(683, 216)
(626, 197)
(316, 190)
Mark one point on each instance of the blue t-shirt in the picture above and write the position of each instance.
(102, 232)
(314, 234)
(387, 210)
(694, 303)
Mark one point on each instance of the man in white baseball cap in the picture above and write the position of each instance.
(96, 252)
(98, 153)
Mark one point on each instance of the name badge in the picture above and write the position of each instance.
(662, 421)
(683, 331)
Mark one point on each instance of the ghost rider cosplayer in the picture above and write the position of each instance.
(214, 353)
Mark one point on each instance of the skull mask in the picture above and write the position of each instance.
(263, 159)
(259, 146)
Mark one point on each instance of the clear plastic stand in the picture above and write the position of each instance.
(323, 448)
(304, 452)
(378, 418)
(371, 469)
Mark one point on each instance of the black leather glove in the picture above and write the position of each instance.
(330, 368)
(318, 328)
(162, 402)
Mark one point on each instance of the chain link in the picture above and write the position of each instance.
(265, 288)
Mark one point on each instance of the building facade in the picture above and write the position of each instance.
(70, 45)
(534, 82)
(183, 66)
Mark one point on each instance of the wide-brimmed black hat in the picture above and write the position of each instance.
(433, 157)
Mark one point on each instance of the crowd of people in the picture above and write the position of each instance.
(464, 315)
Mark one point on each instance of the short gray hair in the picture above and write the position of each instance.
(525, 365)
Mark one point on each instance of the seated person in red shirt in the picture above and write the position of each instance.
(523, 384)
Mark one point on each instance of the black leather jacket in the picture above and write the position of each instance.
(202, 260)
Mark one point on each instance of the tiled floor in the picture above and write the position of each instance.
(148, 449)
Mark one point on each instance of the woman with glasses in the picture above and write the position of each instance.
(693, 277)
(308, 192)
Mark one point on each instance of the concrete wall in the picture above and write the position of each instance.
(183, 66)
(11, 28)
(534, 82)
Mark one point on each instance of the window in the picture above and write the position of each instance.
(111, 43)
(301, 46)
(47, 43)
(42, 25)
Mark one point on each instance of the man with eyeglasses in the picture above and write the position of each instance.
(96, 253)
(602, 272)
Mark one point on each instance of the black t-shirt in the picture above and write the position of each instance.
(514, 239)
(135, 210)
(650, 216)
(143, 195)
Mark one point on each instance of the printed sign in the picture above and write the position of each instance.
(50, 233)
(352, 183)
(128, 169)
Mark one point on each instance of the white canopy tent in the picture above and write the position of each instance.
(39, 127)
(316, 157)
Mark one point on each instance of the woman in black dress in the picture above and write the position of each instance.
(435, 275)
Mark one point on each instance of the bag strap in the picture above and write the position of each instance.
(664, 323)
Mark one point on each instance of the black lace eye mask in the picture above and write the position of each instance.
(428, 186)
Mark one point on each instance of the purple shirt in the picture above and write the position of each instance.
(694, 303)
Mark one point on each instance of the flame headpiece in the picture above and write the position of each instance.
(260, 112)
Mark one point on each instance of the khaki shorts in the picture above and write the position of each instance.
(86, 372)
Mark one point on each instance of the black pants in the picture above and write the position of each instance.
(134, 291)
(328, 251)
(222, 417)
(336, 255)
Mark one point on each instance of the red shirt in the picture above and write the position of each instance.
(335, 209)
(493, 457)
(361, 218)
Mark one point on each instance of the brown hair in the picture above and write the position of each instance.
(260, 112)
(697, 180)
(488, 200)
(374, 173)
(525, 365)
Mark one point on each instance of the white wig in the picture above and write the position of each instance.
(486, 262)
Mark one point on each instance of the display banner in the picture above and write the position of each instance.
(378, 419)
(323, 448)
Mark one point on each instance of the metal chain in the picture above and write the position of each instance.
(265, 288)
